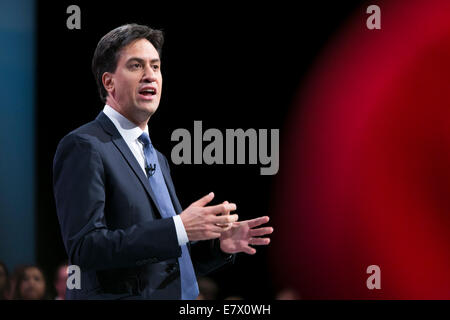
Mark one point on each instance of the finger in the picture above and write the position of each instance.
(232, 225)
(226, 213)
(260, 231)
(215, 229)
(225, 219)
(221, 208)
(257, 221)
(204, 201)
(225, 227)
(249, 250)
(226, 203)
(213, 235)
(259, 241)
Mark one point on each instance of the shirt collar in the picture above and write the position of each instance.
(127, 129)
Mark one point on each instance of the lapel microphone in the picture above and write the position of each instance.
(150, 170)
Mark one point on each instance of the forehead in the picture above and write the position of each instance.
(141, 48)
(32, 271)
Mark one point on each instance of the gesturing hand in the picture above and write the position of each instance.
(243, 233)
(203, 222)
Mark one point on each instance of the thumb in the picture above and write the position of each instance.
(203, 201)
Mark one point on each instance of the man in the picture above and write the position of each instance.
(120, 218)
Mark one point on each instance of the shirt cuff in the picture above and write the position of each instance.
(181, 232)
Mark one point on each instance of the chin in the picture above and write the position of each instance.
(145, 107)
(153, 107)
(149, 107)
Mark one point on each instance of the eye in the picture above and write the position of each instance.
(155, 67)
(136, 66)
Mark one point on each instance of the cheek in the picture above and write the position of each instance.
(125, 85)
(24, 286)
(125, 93)
(40, 286)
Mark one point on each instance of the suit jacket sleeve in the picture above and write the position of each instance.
(206, 255)
(79, 188)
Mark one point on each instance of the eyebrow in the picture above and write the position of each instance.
(142, 60)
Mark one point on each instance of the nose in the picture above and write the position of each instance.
(149, 74)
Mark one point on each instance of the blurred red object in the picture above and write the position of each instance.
(365, 174)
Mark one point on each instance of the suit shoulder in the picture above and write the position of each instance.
(81, 143)
(91, 133)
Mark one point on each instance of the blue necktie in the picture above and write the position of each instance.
(189, 287)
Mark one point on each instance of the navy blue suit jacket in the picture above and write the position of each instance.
(110, 223)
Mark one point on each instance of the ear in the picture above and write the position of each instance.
(108, 82)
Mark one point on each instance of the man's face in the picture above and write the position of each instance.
(137, 82)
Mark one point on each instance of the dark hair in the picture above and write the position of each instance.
(108, 49)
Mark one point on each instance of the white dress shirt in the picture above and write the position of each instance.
(130, 132)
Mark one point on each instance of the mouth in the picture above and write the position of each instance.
(147, 93)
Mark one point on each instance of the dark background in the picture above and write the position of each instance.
(225, 64)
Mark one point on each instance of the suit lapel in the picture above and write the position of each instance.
(170, 186)
(122, 146)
